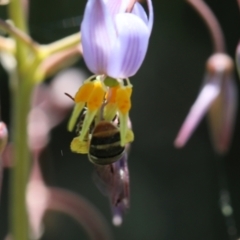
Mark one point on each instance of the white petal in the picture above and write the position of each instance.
(119, 6)
(206, 97)
(150, 12)
(98, 36)
(140, 12)
(131, 46)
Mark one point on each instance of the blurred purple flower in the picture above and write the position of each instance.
(218, 96)
(41, 198)
(50, 106)
(114, 41)
(113, 181)
(3, 143)
(37, 198)
(3, 136)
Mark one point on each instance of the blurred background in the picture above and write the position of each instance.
(175, 194)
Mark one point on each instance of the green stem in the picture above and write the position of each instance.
(212, 23)
(29, 56)
(17, 15)
(19, 35)
(20, 226)
(60, 45)
(19, 176)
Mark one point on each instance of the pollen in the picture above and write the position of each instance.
(111, 95)
(129, 136)
(79, 146)
(95, 100)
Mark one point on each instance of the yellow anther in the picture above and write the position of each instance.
(111, 108)
(111, 95)
(123, 99)
(84, 92)
(79, 146)
(92, 93)
(96, 98)
(81, 97)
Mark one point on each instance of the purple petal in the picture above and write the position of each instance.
(238, 58)
(3, 143)
(206, 97)
(1, 175)
(130, 47)
(222, 116)
(98, 36)
(117, 6)
(3, 136)
(37, 198)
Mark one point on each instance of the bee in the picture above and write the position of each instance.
(104, 147)
(104, 139)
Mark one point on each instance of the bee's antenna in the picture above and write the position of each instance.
(67, 94)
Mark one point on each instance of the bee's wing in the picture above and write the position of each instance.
(113, 181)
(102, 178)
(121, 194)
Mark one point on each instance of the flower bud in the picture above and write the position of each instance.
(222, 112)
(3, 136)
(218, 97)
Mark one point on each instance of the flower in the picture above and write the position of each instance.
(114, 44)
(3, 136)
(41, 198)
(218, 96)
(3, 143)
(114, 41)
